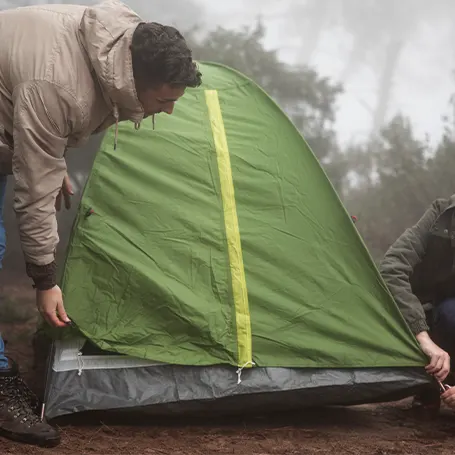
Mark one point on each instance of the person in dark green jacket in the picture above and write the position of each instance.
(419, 270)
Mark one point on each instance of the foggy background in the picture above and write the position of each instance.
(369, 84)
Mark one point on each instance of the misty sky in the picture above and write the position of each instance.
(422, 86)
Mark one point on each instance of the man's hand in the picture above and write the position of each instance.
(449, 397)
(439, 365)
(66, 191)
(50, 305)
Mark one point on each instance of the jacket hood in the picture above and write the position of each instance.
(106, 32)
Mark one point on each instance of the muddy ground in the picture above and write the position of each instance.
(373, 430)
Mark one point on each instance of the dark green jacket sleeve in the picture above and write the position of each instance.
(400, 260)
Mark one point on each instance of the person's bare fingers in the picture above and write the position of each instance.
(58, 202)
(449, 397)
(69, 185)
(67, 189)
(53, 320)
(435, 364)
(62, 313)
(67, 197)
(440, 375)
(440, 364)
(445, 370)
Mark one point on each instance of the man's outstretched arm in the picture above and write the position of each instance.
(43, 119)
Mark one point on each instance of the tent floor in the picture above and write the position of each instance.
(96, 381)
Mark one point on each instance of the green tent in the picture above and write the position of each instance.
(215, 240)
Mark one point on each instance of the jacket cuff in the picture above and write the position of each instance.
(420, 325)
(43, 276)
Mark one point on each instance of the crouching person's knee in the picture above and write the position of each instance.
(443, 330)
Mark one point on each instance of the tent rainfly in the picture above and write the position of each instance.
(212, 266)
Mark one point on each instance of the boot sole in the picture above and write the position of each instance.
(31, 440)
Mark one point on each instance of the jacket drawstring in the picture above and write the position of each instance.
(137, 125)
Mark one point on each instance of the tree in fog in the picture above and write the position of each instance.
(378, 31)
(394, 191)
(397, 178)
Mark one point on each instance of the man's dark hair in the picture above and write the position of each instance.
(161, 56)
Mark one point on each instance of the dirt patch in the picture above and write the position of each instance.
(376, 430)
(373, 430)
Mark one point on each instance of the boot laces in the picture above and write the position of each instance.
(19, 400)
(28, 395)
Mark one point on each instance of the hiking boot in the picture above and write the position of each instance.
(18, 418)
(27, 394)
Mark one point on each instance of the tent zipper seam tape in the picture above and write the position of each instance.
(239, 287)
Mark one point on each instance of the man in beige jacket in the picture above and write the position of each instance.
(67, 72)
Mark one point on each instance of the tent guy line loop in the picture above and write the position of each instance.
(239, 371)
(80, 362)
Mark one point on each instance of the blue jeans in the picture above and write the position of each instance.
(443, 327)
(3, 359)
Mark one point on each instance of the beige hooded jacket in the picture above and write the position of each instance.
(65, 73)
